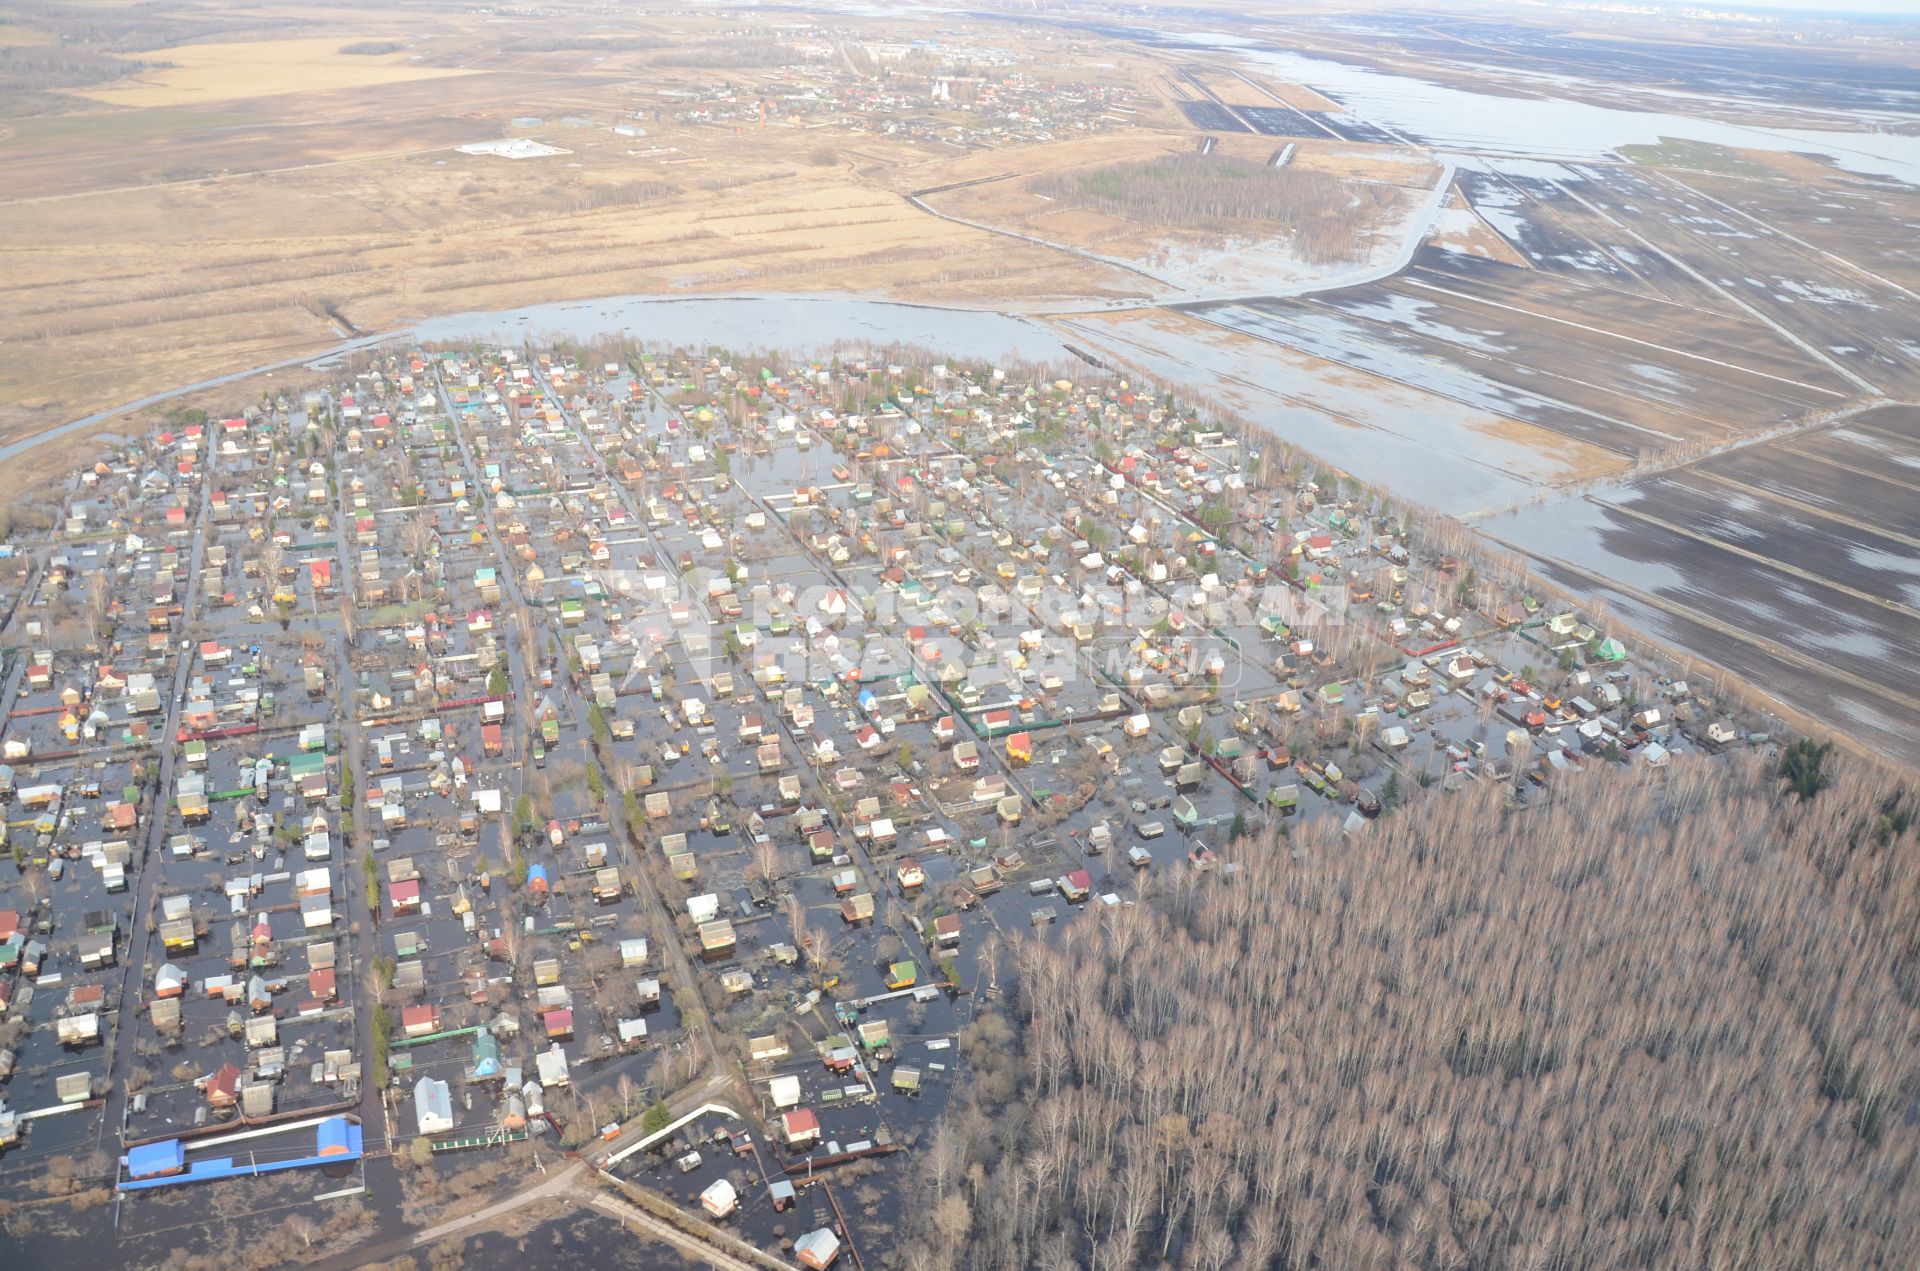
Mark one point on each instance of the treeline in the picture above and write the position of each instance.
(564, 43)
(1650, 1023)
(51, 66)
(740, 53)
(36, 79)
(1194, 191)
(140, 27)
(585, 198)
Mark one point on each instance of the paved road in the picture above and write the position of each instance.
(560, 1184)
(682, 1103)
(662, 1230)
(555, 1184)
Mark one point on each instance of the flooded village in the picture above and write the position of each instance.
(648, 762)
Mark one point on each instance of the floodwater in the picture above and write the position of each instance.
(1554, 126)
(801, 324)
(583, 1238)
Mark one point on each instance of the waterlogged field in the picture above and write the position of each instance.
(1792, 563)
(1724, 278)
(1433, 448)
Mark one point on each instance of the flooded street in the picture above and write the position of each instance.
(597, 783)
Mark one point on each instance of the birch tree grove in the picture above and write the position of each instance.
(1648, 1023)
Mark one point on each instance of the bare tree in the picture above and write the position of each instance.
(302, 1228)
(797, 922)
(273, 558)
(766, 860)
(98, 598)
(416, 537)
(1444, 1079)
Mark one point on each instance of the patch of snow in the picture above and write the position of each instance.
(1496, 205)
(513, 148)
(1414, 313)
(1880, 445)
(1452, 222)
(1824, 295)
(1658, 374)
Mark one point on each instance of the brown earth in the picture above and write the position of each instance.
(243, 198)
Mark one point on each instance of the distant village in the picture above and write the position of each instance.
(964, 111)
(922, 90)
(660, 753)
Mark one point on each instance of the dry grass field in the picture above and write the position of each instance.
(256, 199)
(1235, 91)
(13, 35)
(200, 73)
(93, 316)
(1298, 96)
(1061, 195)
(259, 184)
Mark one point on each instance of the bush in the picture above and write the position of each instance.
(1803, 764)
(382, 1027)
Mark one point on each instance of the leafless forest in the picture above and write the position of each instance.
(586, 197)
(30, 76)
(1194, 191)
(733, 53)
(1653, 1024)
